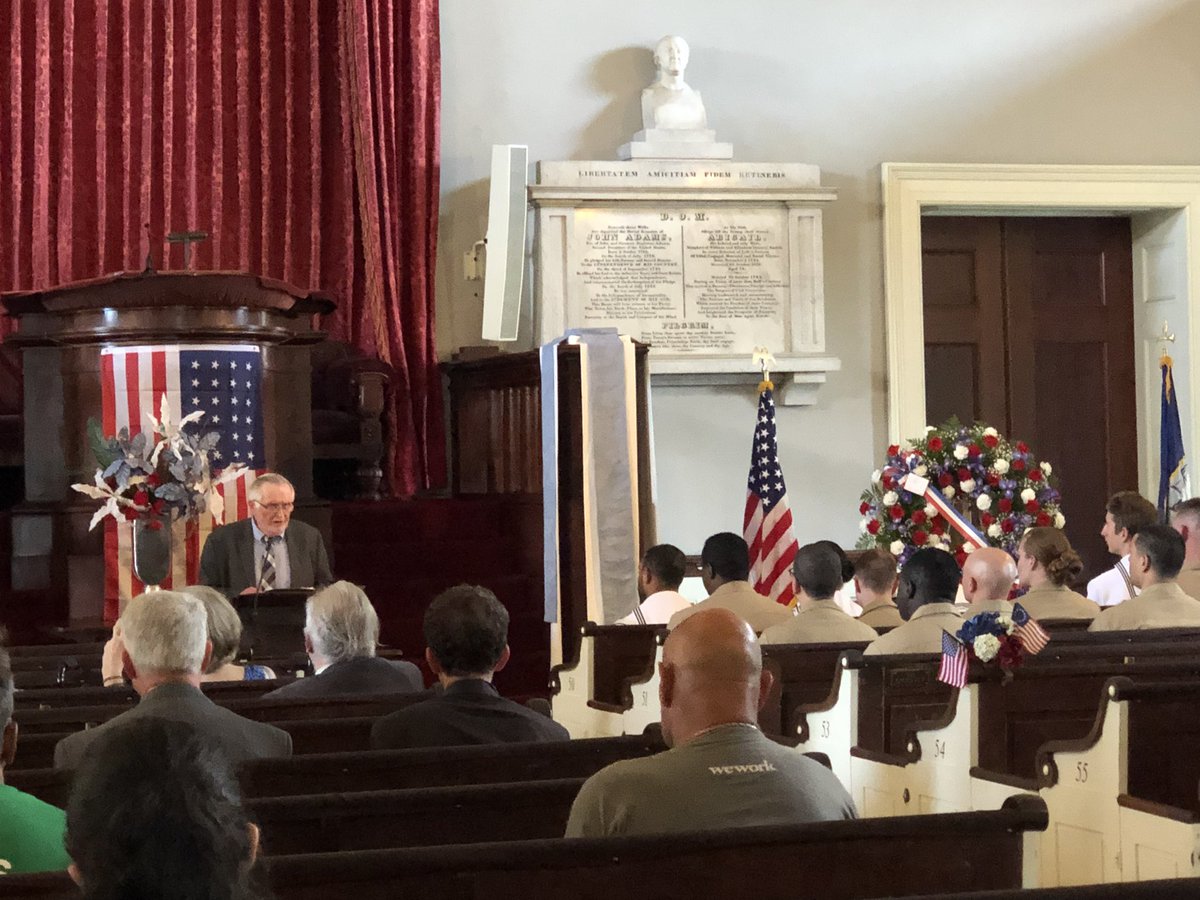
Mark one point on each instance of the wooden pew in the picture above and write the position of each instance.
(1165, 889)
(590, 694)
(908, 856)
(95, 695)
(803, 673)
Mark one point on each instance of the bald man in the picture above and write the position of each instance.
(721, 771)
(987, 580)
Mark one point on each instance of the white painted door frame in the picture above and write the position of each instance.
(910, 189)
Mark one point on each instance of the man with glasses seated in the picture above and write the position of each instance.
(267, 550)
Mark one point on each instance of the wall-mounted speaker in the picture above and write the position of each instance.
(505, 242)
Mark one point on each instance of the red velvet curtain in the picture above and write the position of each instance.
(302, 134)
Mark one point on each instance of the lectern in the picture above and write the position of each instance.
(61, 334)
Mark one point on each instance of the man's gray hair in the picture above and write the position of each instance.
(166, 632)
(256, 486)
(341, 623)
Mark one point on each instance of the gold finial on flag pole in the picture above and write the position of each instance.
(764, 359)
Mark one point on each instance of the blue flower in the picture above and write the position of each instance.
(983, 623)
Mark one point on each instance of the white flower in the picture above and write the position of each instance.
(1028, 494)
(875, 476)
(948, 492)
(929, 428)
(994, 530)
(1047, 469)
(1059, 520)
(967, 486)
(930, 510)
(1006, 623)
(983, 502)
(862, 525)
(921, 471)
(890, 498)
(991, 432)
(968, 549)
(986, 647)
(1001, 466)
(897, 548)
(960, 451)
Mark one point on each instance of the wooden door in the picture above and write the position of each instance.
(1047, 314)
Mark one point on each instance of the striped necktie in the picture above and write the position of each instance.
(266, 581)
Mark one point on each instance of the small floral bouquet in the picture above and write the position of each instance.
(162, 473)
(991, 636)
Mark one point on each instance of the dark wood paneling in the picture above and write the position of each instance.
(951, 382)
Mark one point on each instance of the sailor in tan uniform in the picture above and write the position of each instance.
(1154, 561)
(928, 583)
(818, 620)
(1046, 564)
(1185, 518)
(875, 587)
(987, 579)
(724, 569)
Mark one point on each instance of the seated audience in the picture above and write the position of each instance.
(1154, 561)
(875, 582)
(818, 620)
(721, 771)
(155, 811)
(925, 595)
(466, 633)
(1185, 518)
(341, 632)
(225, 632)
(724, 569)
(987, 581)
(1046, 564)
(1125, 513)
(163, 645)
(841, 596)
(31, 832)
(659, 576)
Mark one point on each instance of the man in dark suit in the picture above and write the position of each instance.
(162, 640)
(466, 630)
(341, 629)
(267, 550)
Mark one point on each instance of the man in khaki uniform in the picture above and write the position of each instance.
(724, 569)
(818, 620)
(1185, 518)
(928, 583)
(875, 589)
(1154, 560)
(987, 580)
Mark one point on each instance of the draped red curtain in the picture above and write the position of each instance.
(302, 134)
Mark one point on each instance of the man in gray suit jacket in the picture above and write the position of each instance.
(341, 630)
(267, 550)
(162, 639)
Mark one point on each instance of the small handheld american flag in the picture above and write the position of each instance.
(767, 525)
(1033, 637)
(953, 670)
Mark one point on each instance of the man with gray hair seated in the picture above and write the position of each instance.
(162, 641)
(341, 629)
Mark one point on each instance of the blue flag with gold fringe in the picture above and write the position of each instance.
(1173, 476)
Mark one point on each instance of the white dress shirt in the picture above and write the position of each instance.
(1110, 588)
(657, 609)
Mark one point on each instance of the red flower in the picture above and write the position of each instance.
(1018, 465)
(986, 519)
(863, 507)
(155, 524)
(937, 526)
(919, 517)
(1007, 526)
(993, 479)
(990, 441)
(1043, 520)
(919, 538)
(1009, 656)
(945, 479)
(935, 444)
(141, 498)
(1032, 506)
(973, 449)
(1005, 505)
(897, 512)
(153, 480)
(960, 557)
(887, 482)
(964, 473)
(129, 513)
(893, 449)
(158, 506)
(1035, 474)
(1022, 447)
(873, 526)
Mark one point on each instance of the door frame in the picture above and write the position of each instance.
(912, 189)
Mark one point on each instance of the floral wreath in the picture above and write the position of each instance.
(997, 484)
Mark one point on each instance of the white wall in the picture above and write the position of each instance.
(845, 85)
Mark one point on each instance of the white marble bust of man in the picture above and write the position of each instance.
(669, 103)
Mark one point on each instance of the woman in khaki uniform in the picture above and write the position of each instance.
(1046, 564)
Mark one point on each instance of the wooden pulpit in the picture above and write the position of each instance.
(61, 334)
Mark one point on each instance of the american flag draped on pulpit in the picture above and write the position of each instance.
(225, 381)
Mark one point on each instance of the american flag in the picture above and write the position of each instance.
(223, 380)
(767, 525)
(953, 670)
(1033, 637)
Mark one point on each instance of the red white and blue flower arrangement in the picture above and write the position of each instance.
(997, 484)
(990, 636)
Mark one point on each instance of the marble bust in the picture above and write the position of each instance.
(670, 103)
(674, 123)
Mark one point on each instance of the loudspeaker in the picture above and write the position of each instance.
(505, 242)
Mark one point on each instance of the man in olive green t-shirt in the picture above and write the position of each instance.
(721, 771)
(31, 832)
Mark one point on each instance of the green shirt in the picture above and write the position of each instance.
(31, 834)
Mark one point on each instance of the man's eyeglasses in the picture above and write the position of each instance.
(275, 507)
